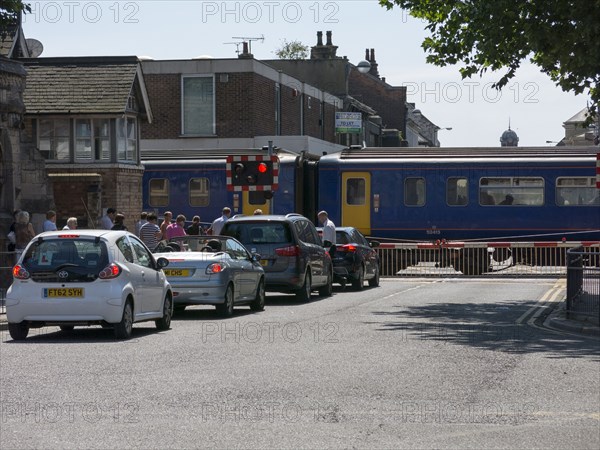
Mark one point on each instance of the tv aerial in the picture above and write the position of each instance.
(249, 40)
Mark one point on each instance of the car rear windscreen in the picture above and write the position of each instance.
(259, 233)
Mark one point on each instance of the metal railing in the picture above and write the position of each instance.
(583, 284)
(497, 259)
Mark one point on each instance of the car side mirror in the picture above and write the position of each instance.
(162, 262)
(374, 244)
(327, 244)
(255, 257)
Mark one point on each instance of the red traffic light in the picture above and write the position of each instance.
(262, 167)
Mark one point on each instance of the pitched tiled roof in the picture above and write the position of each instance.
(79, 85)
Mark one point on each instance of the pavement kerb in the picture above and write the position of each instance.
(557, 319)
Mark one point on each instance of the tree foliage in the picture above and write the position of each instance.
(9, 14)
(292, 50)
(559, 36)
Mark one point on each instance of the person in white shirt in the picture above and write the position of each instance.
(108, 220)
(328, 227)
(71, 224)
(217, 224)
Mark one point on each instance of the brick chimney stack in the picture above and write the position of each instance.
(374, 64)
(245, 53)
(327, 51)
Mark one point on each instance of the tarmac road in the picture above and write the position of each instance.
(419, 363)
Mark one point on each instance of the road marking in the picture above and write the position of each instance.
(550, 295)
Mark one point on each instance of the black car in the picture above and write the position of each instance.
(354, 258)
(291, 252)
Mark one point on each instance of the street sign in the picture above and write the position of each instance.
(348, 122)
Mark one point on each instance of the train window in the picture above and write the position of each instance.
(356, 191)
(414, 191)
(159, 192)
(199, 192)
(577, 191)
(457, 192)
(504, 191)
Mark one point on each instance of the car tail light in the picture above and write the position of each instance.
(110, 271)
(292, 250)
(20, 273)
(348, 248)
(215, 268)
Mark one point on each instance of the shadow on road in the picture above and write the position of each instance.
(485, 325)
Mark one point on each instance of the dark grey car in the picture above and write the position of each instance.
(292, 253)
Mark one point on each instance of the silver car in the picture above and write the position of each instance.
(213, 270)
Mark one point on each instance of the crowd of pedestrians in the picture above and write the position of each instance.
(147, 227)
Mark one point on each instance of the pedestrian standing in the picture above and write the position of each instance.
(218, 223)
(167, 217)
(108, 219)
(176, 228)
(328, 227)
(71, 224)
(150, 232)
(50, 222)
(24, 232)
(119, 223)
(195, 228)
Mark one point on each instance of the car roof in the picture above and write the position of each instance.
(107, 234)
(266, 218)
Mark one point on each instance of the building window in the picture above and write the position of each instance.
(507, 191)
(577, 191)
(54, 138)
(199, 192)
(127, 139)
(457, 192)
(159, 192)
(414, 191)
(92, 140)
(198, 105)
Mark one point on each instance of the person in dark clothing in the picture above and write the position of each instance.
(119, 223)
(195, 228)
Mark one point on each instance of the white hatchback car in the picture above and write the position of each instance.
(87, 277)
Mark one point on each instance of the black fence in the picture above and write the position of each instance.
(583, 284)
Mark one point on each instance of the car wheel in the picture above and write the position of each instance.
(259, 302)
(67, 328)
(374, 282)
(18, 331)
(124, 328)
(164, 323)
(304, 293)
(327, 290)
(226, 309)
(359, 282)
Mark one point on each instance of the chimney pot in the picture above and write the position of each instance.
(329, 38)
(367, 55)
(319, 38)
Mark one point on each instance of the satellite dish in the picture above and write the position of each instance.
(35, 47)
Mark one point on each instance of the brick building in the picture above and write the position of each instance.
(234, 104)
(83, 120)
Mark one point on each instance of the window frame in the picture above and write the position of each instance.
(590, 187)
(212, 128)
(151, 195)
(420, 202)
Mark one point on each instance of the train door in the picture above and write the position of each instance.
(253, 200)
(356, 201)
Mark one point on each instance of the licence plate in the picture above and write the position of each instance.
(264, 262)
(177, 272)
(63, 292)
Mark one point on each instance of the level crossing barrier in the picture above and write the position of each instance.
(452, 258)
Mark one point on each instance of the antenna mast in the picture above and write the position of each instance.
(249, 40)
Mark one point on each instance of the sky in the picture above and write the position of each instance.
(476, 113)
